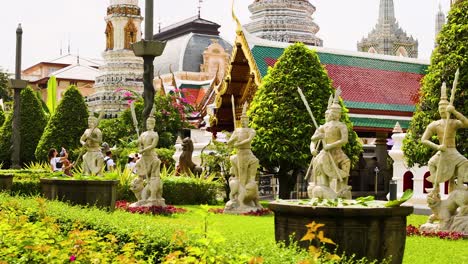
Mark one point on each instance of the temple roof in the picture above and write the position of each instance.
(378, 90)
(185, 53)
(193, 24)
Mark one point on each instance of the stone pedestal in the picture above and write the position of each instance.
(374, 233)
(6, 181)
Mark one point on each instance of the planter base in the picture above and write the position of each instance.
(6, 181)
(81, 192)
(374, 233)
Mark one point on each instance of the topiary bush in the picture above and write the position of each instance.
(279, 117)
(185, 190)
(5, 141)
(450, 54)
(66, 126)
(33, 122)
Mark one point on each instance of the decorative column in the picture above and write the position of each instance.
(381, 154)
(17, 84)
(396, 153)
(148, 49)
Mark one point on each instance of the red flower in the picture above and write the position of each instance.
(72, 258)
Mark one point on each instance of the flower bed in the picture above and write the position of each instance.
(154, 210)
(412, 230)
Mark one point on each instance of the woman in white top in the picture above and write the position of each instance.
(56, 162)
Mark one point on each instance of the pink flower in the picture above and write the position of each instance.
(72, 258)
(127, 94)
(129, 102)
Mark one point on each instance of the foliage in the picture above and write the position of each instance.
(154, 210)
(216, 161)
(5, 92)
(152, 234)
(185, 190)
(52, 94)
(280, 119)
(2, 116)
(165, 155)
(5, 141)
(450, 54)
(66, 126)
(412, 230)
(41, 240)
(33, 122)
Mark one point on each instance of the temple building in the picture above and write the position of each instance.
(68, 70)
(440, 22)
(122, 70)
(284, 20)
(387, 37)
(194, 61)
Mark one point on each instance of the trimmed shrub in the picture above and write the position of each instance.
(185, 190)
(5, 141)
(66, 126)
(33, 122)
(279, 117)
(450, 54)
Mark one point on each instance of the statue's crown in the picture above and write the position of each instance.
(244, 111)
(443, 95)
(336, 101)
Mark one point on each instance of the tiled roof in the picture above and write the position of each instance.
(378, 123)
(367, 83)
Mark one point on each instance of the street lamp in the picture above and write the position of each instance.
(376, 170)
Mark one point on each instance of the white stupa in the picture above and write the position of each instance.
(121, 69)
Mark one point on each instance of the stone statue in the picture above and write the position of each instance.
(93, 160)
(449, 165)
(148, 167)
(186, 165)
(330, 168)
(244, 189)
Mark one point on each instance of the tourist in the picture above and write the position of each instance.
(131, 163)
(66, 164)
(56, 163)
(109, 163)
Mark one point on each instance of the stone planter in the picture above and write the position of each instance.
(374, 233)
(83, 192)
(6, 181)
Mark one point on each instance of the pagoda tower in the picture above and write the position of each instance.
(284, 20)
(387, 37)
(440, 22)
(121, 70)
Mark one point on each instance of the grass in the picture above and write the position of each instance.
(254, 236)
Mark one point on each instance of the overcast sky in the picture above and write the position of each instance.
(50, 24)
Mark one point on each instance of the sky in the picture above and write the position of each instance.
(49, 25)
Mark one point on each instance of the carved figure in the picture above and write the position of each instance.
(186, 164)
(93, 160)
(447, 164)
(148, 167)
(244, 165)
(330, 167)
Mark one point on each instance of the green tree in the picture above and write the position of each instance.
(5, 141)
(33, 122)
(4, 86)
(283, 126)
(66, 126)
(2, 116)
(450, 54)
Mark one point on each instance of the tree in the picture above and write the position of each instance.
(2, 116)
(283, 126)
(33, 122)
(5, 93)
(5, 141)
(66, 126)
(450, 54)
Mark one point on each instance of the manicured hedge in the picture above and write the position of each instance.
(176, 190)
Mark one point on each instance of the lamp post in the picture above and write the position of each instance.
(17, 84)
(376, 170)
(148, 49)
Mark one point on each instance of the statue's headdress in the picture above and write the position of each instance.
(151, 114)
(443, 95)
(91, 116)
(330, 102)
(244, 111)
(335, 106)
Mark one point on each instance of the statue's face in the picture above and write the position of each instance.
(150, 123)
(334, 115)
(245, 122)
(443, 111)
(91, 122)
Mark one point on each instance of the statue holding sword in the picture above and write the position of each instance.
(329, 170)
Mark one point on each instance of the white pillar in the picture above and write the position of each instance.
(396, 153)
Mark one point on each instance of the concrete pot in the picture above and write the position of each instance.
(83, 192)
(374, 233)
(6, 181)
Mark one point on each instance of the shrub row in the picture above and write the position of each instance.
(176, 190)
